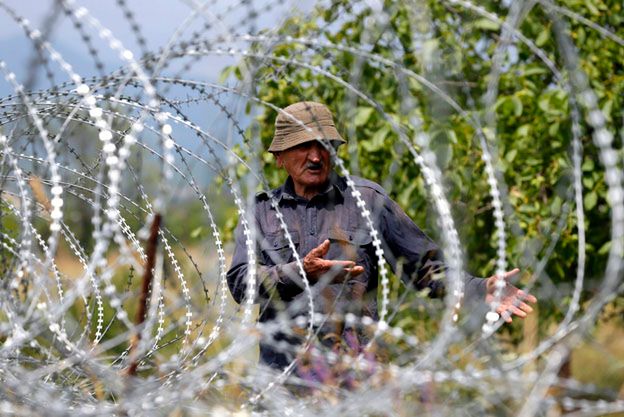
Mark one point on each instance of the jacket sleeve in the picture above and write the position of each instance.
(276, 276)
(418, 258)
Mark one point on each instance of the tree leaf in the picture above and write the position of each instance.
(225, 74)
(523, 131)
(452, 136)
(377, 140)
(533, 70)
(196, 232)
(362, 115)
(486, 24)
(517, 103)
(542, 38)
(590, 200)
(604, 249)
(511, 155)
(593, 9)
(606, 109)
(404, 196)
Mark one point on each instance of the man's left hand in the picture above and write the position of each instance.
(511, 300)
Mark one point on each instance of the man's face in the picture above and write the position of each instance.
(308, 164)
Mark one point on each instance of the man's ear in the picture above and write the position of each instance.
(278, 159)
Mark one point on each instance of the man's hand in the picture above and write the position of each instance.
(315, 266)
(512, 299)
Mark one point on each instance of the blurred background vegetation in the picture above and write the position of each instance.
(452, 47)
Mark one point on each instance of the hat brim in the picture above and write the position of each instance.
(284, 142)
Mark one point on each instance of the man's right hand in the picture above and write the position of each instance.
(315, 266)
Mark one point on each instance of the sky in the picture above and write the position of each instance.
(158, 21)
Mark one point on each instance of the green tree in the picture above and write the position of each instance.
(345, 46)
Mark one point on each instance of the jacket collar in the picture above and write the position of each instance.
(334, 190)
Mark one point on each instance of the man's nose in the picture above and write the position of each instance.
(314, 154)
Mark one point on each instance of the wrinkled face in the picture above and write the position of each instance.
(308, 164)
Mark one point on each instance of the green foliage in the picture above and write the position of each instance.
(10, 229)
(452, 47)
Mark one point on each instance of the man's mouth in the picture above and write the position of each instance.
(314, 167)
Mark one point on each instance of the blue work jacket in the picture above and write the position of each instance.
(334, 215)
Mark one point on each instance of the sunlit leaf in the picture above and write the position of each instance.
(590, 200)
(362, 115)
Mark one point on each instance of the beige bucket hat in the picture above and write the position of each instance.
(302, 122)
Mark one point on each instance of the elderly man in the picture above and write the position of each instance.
(333, 240)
